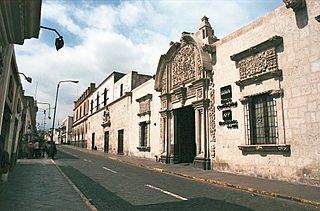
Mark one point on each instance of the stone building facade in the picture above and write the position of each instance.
(80, 116)
(249, 101)
(109, 120)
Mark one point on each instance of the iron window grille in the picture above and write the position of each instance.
(261, 120)
(144, 134)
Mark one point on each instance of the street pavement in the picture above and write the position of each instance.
(36, 184)
(81, 179)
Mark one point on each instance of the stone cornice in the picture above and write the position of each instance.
(273, 41)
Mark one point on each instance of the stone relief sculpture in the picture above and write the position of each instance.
(106, 122)
(255, 64)
(183, 65)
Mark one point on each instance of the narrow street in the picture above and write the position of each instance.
(112, 185)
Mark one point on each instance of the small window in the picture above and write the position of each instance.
(144, 134)
(97, 100)
(121, 90)
(105, 97)
(261, 120)
(91, 106)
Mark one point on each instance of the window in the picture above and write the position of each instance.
(121, 90)
(80, 111)
(261, 120)
(91, 106)
(144, 134)
(105, 97)
(10, 91)
(97, 100)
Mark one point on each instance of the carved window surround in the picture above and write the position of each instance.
(259, 77)
(265, 149)
(272, 92)
(144, 105)
(258, 62)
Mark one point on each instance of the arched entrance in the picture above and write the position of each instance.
(184, 78)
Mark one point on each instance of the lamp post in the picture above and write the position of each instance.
(49, 117)
(59, 41)
(55, 104)
(29, 79)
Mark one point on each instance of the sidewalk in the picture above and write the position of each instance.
(297, 192)
(36, 184)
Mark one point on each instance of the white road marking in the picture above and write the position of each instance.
(87, 160)
(110, 170)
(167, 192)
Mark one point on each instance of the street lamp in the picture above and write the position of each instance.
(55, 104)
(29, 79)
(59, 41)
(49, 117)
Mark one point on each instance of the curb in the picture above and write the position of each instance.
(82, 196)
(251, 190)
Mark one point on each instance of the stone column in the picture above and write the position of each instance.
(201, 160)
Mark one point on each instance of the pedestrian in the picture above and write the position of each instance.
(30, 149)
(42, 148)
(52, 149)
(36, 149)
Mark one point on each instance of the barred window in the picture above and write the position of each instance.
(143, 134)
(261, 120)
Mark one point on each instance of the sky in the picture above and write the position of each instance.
(102, 36)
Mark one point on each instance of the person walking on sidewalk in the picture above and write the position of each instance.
(52, 149)
(36, 149)
(30, 149)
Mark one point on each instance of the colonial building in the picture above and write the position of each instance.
(66, 130)
(20, 20)
(249, 102)
(109, 125)
(80, 115)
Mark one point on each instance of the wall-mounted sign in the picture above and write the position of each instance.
(227, 115)
(226, 103)
(225, 93)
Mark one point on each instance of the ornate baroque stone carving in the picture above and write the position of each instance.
(191, 92)
(199, 93)
(164, 82)
(212, 124)
(106, 121)
(259, 63)
(295, 4)
(183, 65)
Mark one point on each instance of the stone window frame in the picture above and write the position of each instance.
(260, 75)
(270, 44)
(144, 101)
(144, 136)
(263, 149)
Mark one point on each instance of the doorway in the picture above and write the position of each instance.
(106, 141)
(185, 145)
(92, 143)
(120, 141)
